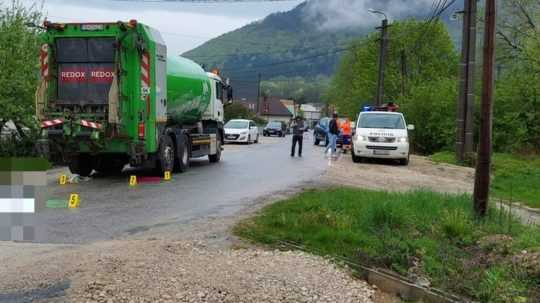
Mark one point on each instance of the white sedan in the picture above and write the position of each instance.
(239, 130)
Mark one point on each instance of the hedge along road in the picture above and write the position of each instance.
(110, 209)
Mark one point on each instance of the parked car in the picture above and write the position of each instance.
(381, 135)
(321, 130)
(275, 128)
(240, 130)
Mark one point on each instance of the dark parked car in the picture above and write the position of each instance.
(321, 130)
(275, 128)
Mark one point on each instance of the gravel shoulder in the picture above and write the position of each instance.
(421, 173)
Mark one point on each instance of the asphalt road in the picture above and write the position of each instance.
(110, 209)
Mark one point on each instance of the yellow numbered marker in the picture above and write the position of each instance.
(74, 201)
(63, 180)
(167, 176)
(132, 180)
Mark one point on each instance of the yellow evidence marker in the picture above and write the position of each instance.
(74, 201)
(132, 180)
(167, 176)
(62, 180)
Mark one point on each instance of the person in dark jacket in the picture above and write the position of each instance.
(333, 132)
(298, 135)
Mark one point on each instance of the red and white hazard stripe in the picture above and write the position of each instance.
(44, 60)
(145, 75)
(90, 124)
(50, 123)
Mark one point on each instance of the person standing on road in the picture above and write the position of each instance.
(298, 129)
(333, 132)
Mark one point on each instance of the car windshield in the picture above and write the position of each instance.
(385, 121)
(274, 125)
(237, 124)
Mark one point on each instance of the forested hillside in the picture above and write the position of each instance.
(305, 42)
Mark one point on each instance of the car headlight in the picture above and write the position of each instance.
(403, 139)
(361, 138)
(244, 133)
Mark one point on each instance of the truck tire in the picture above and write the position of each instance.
(182, 159)
(165, 161)
(81, 164)
(257, 140)
(217, 157)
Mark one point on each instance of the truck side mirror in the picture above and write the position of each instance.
(410, 127)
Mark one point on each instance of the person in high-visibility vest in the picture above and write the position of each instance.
(346, 131)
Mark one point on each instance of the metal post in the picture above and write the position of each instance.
(382, 59)
(483, 167)
(258, 94)
(465, 108)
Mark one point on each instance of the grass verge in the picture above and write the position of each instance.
(516, 177)
(415, 234)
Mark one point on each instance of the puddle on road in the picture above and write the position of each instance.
(52, 291)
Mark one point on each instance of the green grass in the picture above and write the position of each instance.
(516, 178)
(391, 230)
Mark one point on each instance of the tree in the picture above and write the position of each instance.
(19, 51)
(237, 111)
(431, 68)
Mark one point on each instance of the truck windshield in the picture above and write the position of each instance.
(237, 124)
(385, 121)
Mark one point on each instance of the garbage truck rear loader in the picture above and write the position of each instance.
(109, 95)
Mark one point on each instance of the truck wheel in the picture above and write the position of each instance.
(81, 165)
(182, 160)
(257, 140)
(165, 155)
(215, 158)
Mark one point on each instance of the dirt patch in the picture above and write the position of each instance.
(421, 173)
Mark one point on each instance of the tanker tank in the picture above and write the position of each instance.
(188, 91)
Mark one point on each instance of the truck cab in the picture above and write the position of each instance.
(381, 134)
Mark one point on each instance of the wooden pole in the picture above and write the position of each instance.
(483, 167)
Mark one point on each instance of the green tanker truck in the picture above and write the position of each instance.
(109, 95)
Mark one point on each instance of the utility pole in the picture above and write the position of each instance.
(382, 60)
(483, 167)
(465, 109)
(403, 72)
(258, 94)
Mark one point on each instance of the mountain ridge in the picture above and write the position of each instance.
(304, 38)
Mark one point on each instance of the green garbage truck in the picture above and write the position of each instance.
(109, 96)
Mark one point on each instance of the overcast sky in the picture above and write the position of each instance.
(183, 25)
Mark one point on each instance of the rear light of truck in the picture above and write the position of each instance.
(141, 130)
